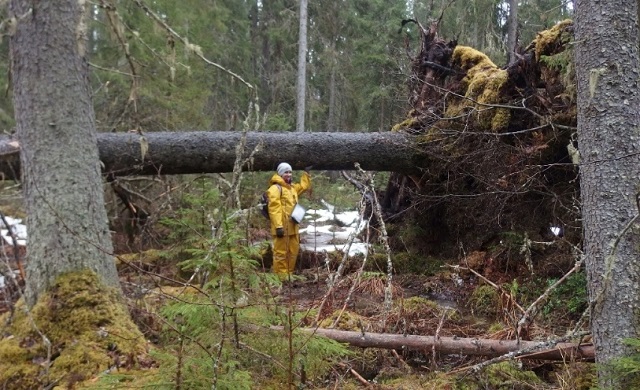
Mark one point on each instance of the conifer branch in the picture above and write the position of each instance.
(116, 26)
(197, 50)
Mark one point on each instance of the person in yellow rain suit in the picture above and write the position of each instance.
(283, 196)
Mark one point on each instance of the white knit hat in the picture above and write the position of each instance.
(284, 167)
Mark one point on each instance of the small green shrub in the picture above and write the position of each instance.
(627, 368)
(485, 301)
(569, 297)
(279, 122)
(507, 375)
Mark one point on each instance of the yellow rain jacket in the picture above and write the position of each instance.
(282, 198)
(281, 206)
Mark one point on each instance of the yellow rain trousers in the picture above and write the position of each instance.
(282, 199)
(285, 254)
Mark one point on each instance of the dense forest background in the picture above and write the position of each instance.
(231, 65)
(166, 65)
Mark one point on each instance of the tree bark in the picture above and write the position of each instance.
(609, 143)
(55, 123)
(301, 84)
(456, 345)
(210, 152)
(512, 32)
(331, 119)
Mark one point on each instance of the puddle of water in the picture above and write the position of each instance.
(442, 302)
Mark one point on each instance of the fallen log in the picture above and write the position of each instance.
(215, 152)
(459, 345)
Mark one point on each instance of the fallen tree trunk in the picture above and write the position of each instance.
(459, 345)
(215, 152)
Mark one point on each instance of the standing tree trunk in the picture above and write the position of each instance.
(265, 70)
(66, 217)
(608, 119)
(331, 121)
(512, 31)
(301, 85)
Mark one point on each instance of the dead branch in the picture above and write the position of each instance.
(356, 375)
(437, 336)
(377, 211)
(555, 349)
(535, 352)
(190, 46)
(357, 279)
(334, 278)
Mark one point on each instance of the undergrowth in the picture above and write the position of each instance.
(570, 297)
(230, 332)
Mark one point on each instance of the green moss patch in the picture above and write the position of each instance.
(347, 321)
(483, 85)
(485, 301)
(553, 40)
(76, 330)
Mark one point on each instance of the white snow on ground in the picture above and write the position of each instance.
(19, 230)
(322, 230)
(3, 279)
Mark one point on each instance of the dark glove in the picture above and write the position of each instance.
(308, 168)
(280, 232)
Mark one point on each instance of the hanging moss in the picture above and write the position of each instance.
(148, 257)
(468, 58)
(500, 119)
(406, 124)
(411, 123)
(89, 330)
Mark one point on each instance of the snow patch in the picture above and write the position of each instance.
(18, 229)
(328, 231)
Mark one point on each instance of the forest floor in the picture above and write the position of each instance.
(454, 302)
(481, 295)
